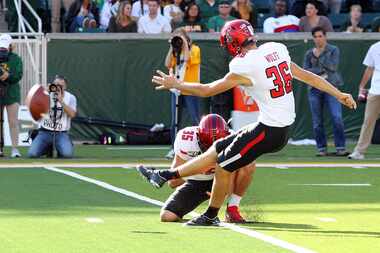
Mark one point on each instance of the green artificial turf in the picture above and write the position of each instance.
(44, 211)
(123, 154)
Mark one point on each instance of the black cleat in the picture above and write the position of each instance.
(151, 175)
(203, 220)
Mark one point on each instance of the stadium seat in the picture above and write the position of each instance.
(262, 6)
(368, 18)
(376, 6)
(260, 21)
(337, 20)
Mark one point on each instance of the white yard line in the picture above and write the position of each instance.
(344, 185)
(326, 219)
(94, 220)
(163, 165)
(245, 231)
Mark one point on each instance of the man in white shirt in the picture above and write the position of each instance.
(154, 22)
(53, 129)
(281, 22)
(372, 109)
(106, 13)
(139, 8)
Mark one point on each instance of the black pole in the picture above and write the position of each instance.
(54, 119)
(1, 129)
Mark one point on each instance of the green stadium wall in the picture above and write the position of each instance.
(112, 79)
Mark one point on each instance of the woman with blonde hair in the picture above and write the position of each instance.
(354, 22)
(243, 9)
(123, 22)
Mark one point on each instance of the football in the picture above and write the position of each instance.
(37, 101)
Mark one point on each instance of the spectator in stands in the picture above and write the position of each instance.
(323, 60)
(298, 8)
(10, 76)
(123, 22)
(281, 22)
(173, 12)
(216, 23)
(154, 22)
(312, 19)
(375, 27)
(354, 24)
(50, 128)
(44, 12)
(106, 13)
(83, 14)
(333, 6)
(192, 21)
(164, 3)
(186, 3)
(140, 8)
(209, 8)
(57, 16)
(243, 9)
(365, 4)
(372, 109)
(184, 59)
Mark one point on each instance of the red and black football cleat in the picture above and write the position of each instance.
(233, 215)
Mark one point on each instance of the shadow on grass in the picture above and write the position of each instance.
(279, 226)
(308, 229)
(148, 232)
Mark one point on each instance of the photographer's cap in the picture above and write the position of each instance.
(5, 40)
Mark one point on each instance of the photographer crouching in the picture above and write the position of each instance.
(184, 59)
(10, 76)
(53, 130)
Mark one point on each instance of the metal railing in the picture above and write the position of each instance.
(28, 45)
(30, 51)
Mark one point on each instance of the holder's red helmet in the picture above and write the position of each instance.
(235, 35)
(211, 128)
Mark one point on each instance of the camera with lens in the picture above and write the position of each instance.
(54, 90)
(176, 43)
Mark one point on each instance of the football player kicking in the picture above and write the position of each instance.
(265, 72)
(194, 190)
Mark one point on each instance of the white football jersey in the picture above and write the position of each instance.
(268, 68)
(186, 147)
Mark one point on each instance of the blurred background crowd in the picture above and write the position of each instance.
(163, 16)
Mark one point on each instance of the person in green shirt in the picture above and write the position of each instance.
(10, 76)
(209, 8)
(192, 21)
(216, 23)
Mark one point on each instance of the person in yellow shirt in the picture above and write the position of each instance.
(184, 60)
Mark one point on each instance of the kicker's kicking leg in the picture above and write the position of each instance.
(195, 166)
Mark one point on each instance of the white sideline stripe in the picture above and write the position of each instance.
(165, 165)
(105, 185)
(231, 160)
(366, 184)
(248, 232)
(359, 167)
